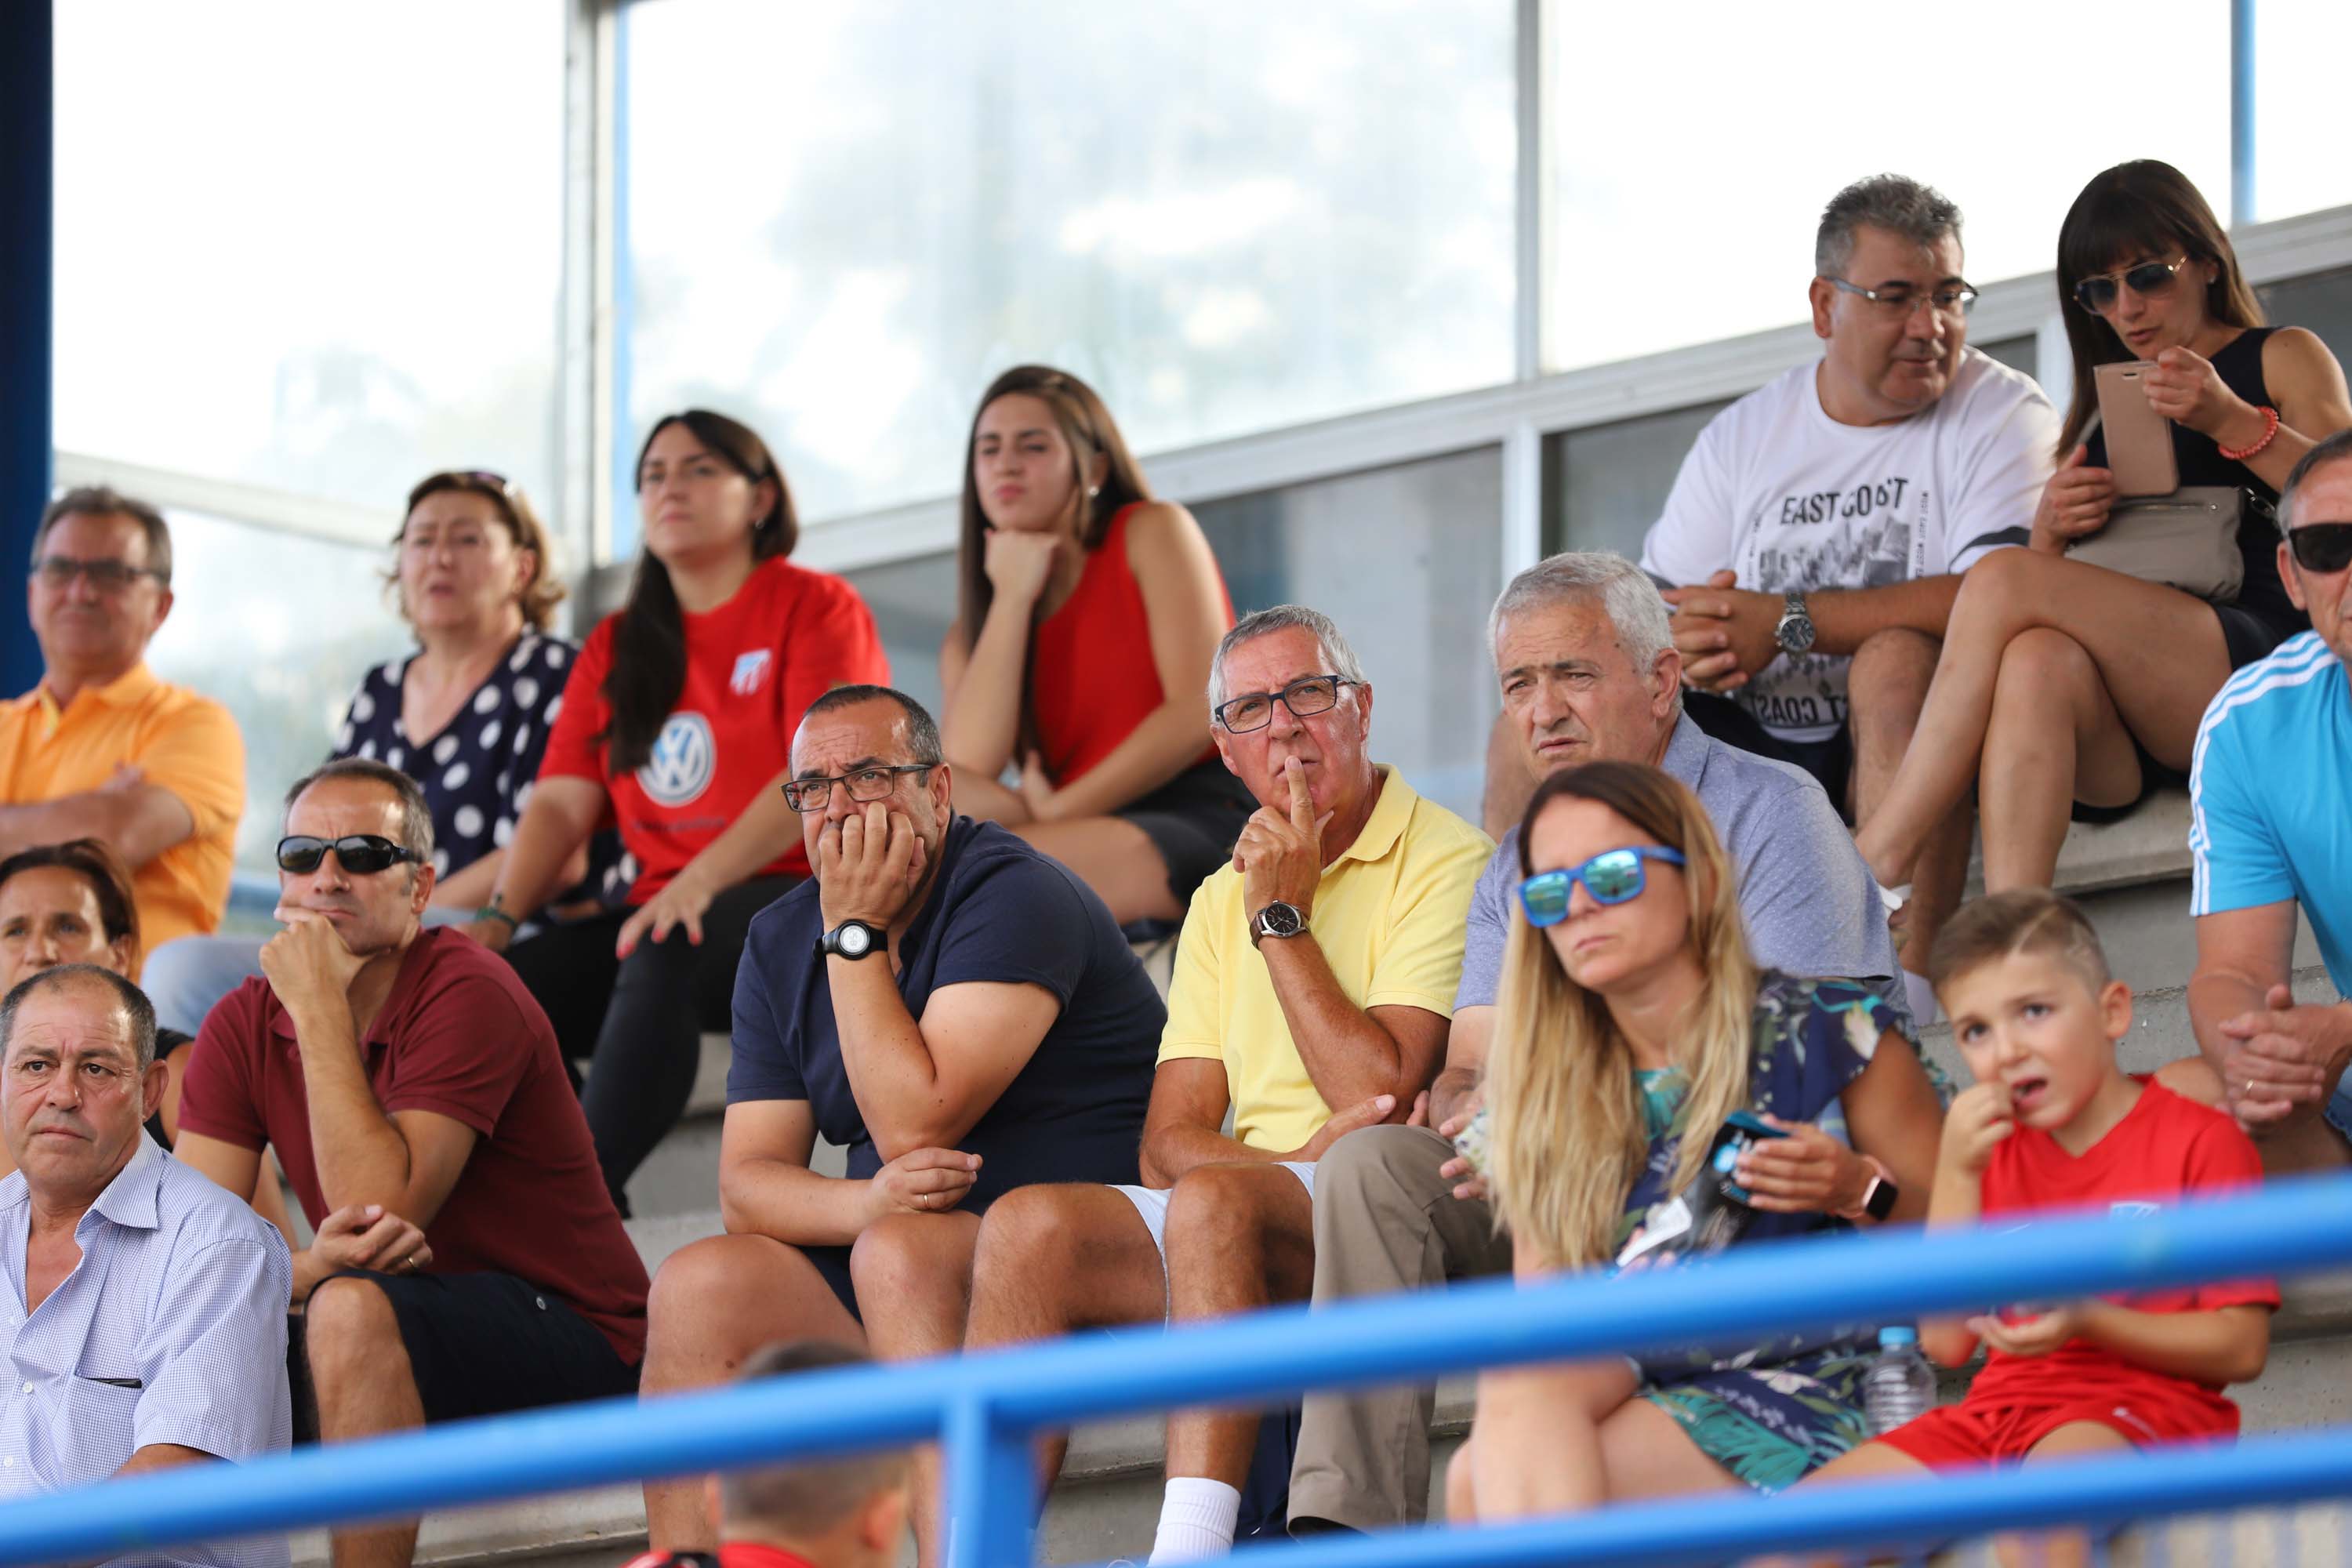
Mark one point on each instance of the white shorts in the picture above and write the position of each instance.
(1151, 1203)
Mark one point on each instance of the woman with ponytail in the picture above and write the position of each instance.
(1087, 616)
(677, 722)
(1632, 1024)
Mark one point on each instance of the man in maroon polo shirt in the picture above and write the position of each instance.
(469, 1259)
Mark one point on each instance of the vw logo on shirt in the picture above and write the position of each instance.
(683, 761)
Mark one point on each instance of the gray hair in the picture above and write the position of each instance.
(132, 1001)
(1920, 213)
(415, 815)
(2335, 449)
(807, 1499)
(1627, 597)
(1339, 658)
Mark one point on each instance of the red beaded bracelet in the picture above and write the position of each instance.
(2270, 433)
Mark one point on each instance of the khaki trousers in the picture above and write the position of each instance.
(1385, 1221)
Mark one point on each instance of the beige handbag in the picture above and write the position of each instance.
(2188, 539)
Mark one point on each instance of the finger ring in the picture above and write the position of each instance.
(409, 1261)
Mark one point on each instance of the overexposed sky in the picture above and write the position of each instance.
(319, 246)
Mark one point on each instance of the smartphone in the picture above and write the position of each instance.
(1741, 1132)
(2139, 439)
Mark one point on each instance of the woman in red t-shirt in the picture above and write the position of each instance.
(1088, 615)
(676, 723)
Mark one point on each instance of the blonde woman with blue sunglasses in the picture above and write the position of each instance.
(1633, 1026)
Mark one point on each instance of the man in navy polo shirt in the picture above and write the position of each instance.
(956, 1010)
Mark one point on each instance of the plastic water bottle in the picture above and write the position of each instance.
(1900, 1385)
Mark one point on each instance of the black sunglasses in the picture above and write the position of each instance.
(362, 854)
(2322, 546)
(2098, 294)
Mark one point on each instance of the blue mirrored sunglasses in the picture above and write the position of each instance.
(1612, 877)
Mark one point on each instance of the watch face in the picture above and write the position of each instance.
(853, 940)
(1795, 633)
(1281, 920)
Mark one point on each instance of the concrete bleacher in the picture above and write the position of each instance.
(2132, 876)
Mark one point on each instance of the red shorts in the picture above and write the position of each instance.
(1953, 1435)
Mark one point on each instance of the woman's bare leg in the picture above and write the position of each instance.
(2160, 653)
(1539, 1448)
(1115, 859)
(2055, 737)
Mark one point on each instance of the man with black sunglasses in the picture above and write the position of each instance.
(2271, 837)
(468, 1259)
(101, 749)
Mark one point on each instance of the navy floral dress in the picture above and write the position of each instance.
(476, 773)
(1772, 1412)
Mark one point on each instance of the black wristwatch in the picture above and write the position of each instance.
(852, 940)
(1795, 631)
(1878, 1202)
(1277, 918)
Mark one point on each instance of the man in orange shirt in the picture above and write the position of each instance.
(101, 749)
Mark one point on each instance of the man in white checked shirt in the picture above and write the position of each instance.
(143, 1318)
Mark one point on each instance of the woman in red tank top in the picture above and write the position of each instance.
(1087, 613)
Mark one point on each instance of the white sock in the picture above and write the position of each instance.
(1921, 997)
(1196, 1519)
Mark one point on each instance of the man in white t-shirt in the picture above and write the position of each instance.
(1814, 539)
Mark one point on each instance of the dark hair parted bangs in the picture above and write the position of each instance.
(2145, 208)
(649, 638)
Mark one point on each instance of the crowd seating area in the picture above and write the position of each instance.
(1936, 820)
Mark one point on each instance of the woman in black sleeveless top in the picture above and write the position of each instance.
(2066, 688)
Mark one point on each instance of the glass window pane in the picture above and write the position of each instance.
(326, 260)
(2300, 47)
(1227, 216)
(282, 648)
(1407, 561)
(1687, 183)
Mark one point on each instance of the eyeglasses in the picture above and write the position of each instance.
(866, 785)
(1612, 877)
(2098, 295)
(1305, 696)
(2322, 546)
(106, 576)
(1901, 300)
(361, 854)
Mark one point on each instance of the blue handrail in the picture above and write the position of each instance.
(988, 1407)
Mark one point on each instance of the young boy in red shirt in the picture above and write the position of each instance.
(2053, 1123)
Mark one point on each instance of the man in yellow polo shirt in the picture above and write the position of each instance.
(1315, 979)
(103, 750)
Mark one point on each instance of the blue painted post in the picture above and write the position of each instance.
(992, 1486)
(2241, 112)
(28, 141)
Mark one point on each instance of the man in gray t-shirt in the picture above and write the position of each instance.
(1586, 658)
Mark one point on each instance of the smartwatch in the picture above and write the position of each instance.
(1878, 1199)
(1795, 631)
(852, 940)
(1277, 918)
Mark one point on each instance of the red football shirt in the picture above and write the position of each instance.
(457, 1035)
(2164, 1149)
(752, 667)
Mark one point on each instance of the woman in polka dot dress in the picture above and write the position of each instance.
(465, 714)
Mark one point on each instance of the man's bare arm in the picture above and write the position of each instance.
(164, 1456)
(1472, 1032)
(137, 821)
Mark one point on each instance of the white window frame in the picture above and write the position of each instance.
(1515, 418)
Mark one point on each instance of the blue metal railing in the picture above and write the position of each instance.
(987, 1408)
